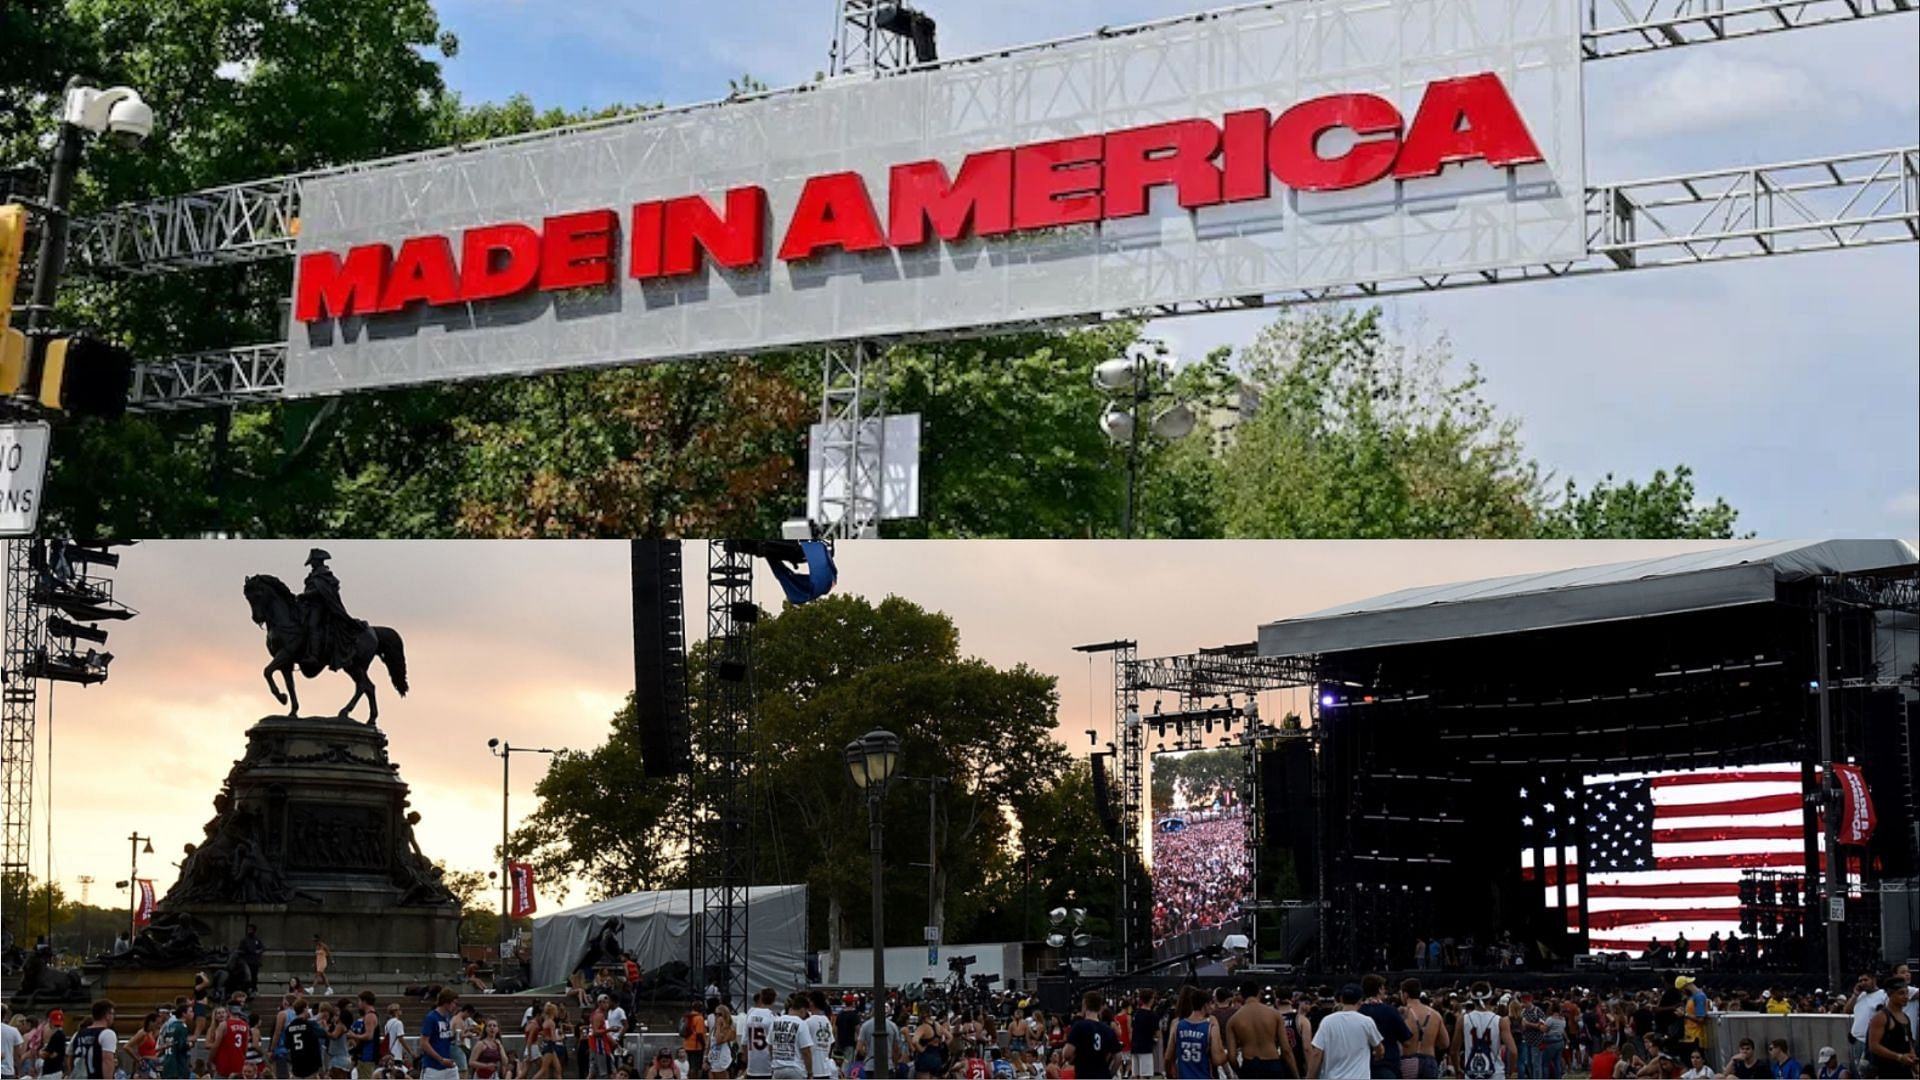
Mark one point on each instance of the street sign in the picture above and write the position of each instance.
(1264, 149)
(23, 472)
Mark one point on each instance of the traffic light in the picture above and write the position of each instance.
(13, 343)
(84, 376)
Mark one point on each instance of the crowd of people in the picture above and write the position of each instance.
(1368, 1028)
(237, 1037)
(1200, 872)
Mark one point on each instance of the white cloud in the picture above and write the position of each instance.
(1704, 91)
(1905, 506)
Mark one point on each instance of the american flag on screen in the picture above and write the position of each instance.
(1653, 855)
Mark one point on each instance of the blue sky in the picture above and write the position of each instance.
(1792, 385)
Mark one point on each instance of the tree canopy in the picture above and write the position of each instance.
(826, 673)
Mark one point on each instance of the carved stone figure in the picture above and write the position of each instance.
(313, 632)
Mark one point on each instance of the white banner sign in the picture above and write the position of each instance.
(1265, 149)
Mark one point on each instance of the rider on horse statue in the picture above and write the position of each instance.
(331, 632)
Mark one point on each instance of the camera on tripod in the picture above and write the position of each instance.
(959, 964)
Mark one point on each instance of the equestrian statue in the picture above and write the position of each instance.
(314, 633)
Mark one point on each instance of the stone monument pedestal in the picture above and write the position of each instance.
(312, 835)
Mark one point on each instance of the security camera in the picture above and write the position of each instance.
(117, 113)
(130, 121)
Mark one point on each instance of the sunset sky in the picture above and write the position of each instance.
(530, 641)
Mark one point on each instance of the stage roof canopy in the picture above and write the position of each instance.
(1719, 577)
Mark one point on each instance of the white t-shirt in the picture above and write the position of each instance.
(10, 1039)
(1347, 1038)
(1863, 1011)
(821, 1028)
(396, 1039)
(617, 1024)
(787, 1039)
(757, 1032)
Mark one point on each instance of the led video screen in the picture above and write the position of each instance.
(1199, 846)
(1651, 856)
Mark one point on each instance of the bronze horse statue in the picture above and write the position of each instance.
(280, 611)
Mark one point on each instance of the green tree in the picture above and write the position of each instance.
(1358, 436)
(1664, 507)
(25, 902)
(1010, 441)
(1065, 858)
(600, 821)
(831, 670)
(479, 907)
(826, 673)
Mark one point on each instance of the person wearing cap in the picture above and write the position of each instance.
(1348, 1041)
(53, 1052)
(1828, 1066)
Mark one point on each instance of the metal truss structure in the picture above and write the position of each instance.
(1216, 673)
(1625, 27)
(860, 45)
(1815, 204)
(18, 700)
(853, 411)
(853, 378)
(724, 851)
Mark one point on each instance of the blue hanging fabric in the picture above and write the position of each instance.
(819, 579)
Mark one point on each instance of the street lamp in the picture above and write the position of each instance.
(135, 842)
(1133, 384)
(871, 761)
(505, 751)
(116, 113)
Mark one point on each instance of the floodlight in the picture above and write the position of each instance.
(1176, 422)
(1118, 424)
(1057, 941)
(1057, 916)
(1082, 940)
(1118, 375)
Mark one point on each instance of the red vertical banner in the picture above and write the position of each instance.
(522, 881)
(1856, 805)
(143, 911)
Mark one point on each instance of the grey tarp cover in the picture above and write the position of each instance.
(1714, 577)
(655, 928)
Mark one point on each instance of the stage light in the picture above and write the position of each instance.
(1327, 701)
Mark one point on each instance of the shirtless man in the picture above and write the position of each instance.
(1255, 1045)
(1430, 1038)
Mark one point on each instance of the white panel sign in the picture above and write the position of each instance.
(899, 468)
(1294, 145)
(23, 475)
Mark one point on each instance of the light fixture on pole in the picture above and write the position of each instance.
(117, 113)
(505, 751)
(872, 760)
(1132, 384)
(135, 842)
